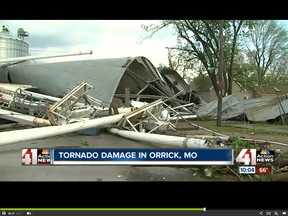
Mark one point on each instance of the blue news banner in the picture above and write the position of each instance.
(142, 157)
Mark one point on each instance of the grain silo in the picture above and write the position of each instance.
(10, 46)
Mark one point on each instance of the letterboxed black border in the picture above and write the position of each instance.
(212, 195)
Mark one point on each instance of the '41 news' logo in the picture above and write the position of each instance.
(249, 157)
(36, 156)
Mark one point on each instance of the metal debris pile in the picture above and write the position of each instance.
(19, 103)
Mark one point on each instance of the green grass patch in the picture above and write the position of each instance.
(282, 127)
(262, 128)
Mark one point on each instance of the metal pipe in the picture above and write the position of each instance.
(182, 142)
(10, 137)
(183, 117)
(25, 58)
(210, 137)
(23, 118)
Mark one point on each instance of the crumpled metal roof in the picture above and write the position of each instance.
(231, 108)
(106, 75)
(256, 109)
(263, 109)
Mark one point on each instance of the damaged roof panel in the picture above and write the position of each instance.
(58, 78)
(260, 109)
(231, 108)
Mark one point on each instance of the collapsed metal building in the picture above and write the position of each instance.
(111, 78)
(254, 109)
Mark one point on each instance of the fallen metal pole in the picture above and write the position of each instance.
(23, 118)
(184, 117)
(208, 130)
(210, 137)
(25, 58)
(10, 137)
(182, 142)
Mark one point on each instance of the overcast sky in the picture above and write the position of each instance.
(106, 38)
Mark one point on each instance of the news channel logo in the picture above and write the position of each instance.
(36, 156)
(249, 158)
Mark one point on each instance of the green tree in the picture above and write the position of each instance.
(199, 39)
(266, 48)
(182, 63)
(201, 82)
(242, 71)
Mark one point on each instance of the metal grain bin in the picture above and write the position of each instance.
(10, 46)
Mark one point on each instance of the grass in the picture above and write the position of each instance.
(232, 130)
(282, 127)
(228, 127)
